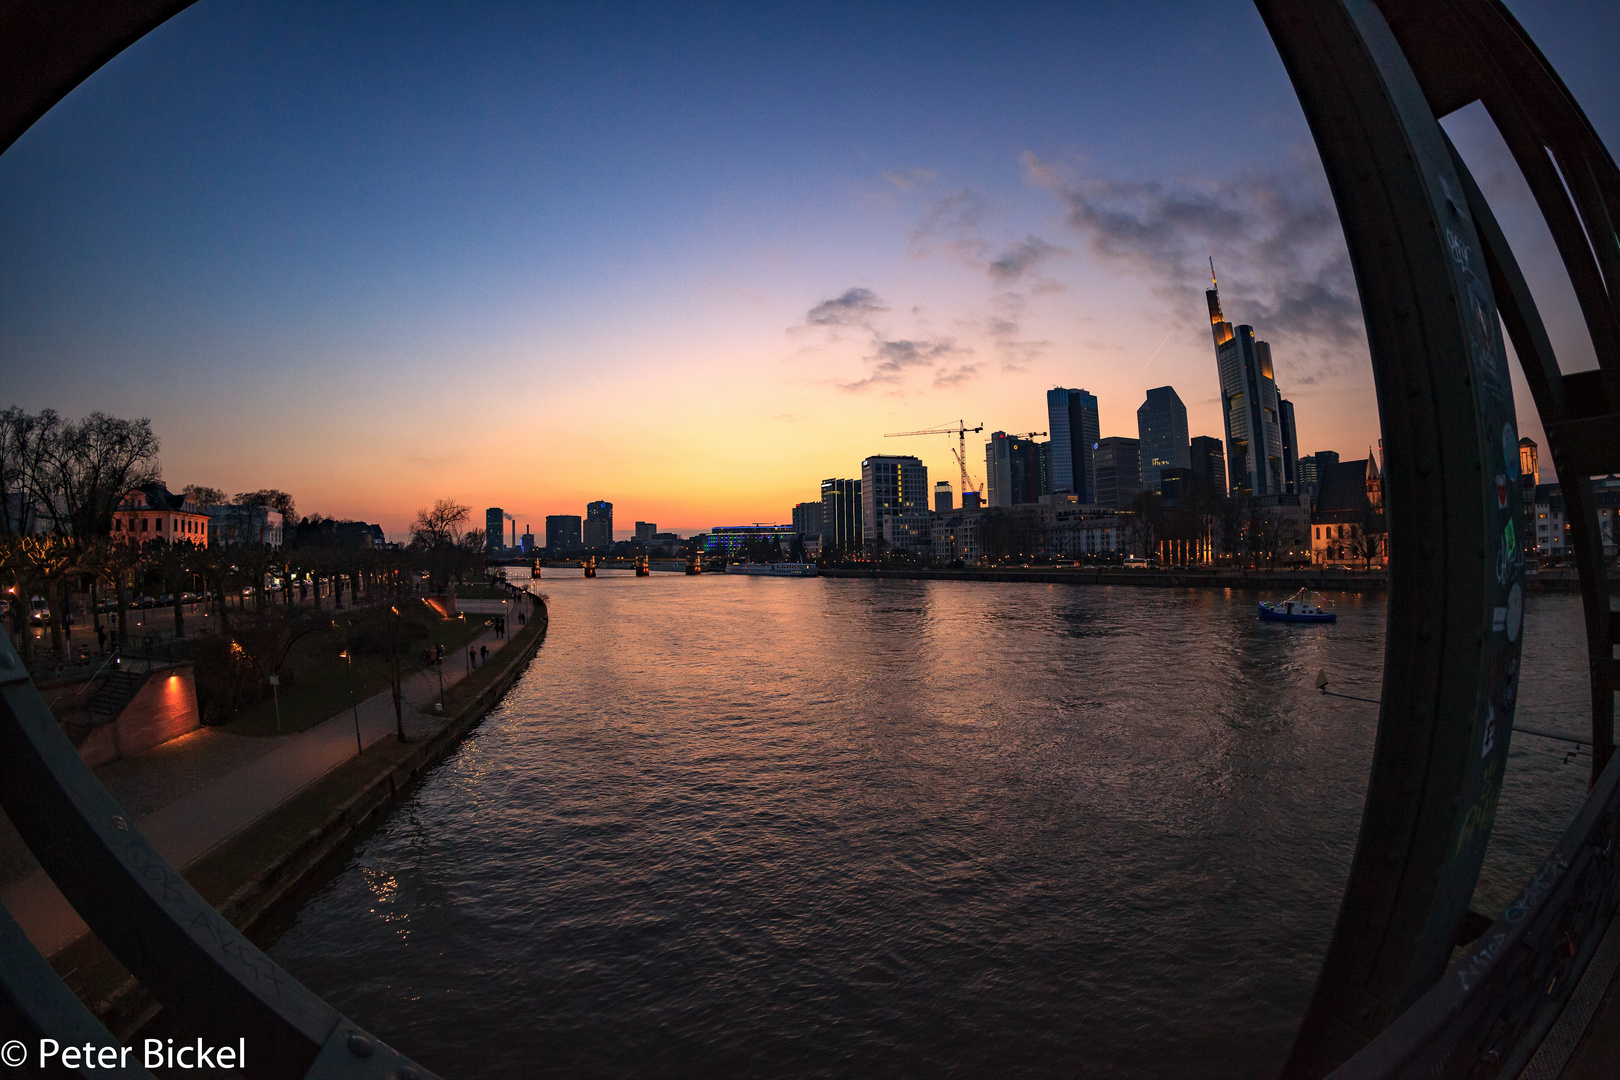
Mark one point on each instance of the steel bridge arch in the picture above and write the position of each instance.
(1434, 273)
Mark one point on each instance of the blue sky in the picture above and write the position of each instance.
(529, 255)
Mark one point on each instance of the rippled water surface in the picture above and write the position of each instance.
(750, 827)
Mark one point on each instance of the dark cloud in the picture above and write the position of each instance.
(889, 360)
(854, 308)
(954, 225)
(1021, 257)
(1275, 238)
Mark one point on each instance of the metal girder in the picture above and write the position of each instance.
(47, 47)
(1431, 265)
(172, 940)
(1456, 569)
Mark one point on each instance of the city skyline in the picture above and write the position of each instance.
(357, 279)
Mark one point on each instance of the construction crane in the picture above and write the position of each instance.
(960, 450)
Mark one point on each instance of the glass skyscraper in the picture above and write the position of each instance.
(1071, 420)
(1161, 427)
(1119, 477)
(1249, 405)
(841, 525)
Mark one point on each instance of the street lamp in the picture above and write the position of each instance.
(354, 702)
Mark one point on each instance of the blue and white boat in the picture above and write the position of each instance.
(1297, 609)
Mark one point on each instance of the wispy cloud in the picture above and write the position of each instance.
(954, 225)
(1022, 257)
(888, 359)
(1274, 236)
(854, 308)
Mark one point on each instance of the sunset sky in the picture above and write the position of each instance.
(688, 258)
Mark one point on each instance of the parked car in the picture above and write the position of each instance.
(38, 610)
(144, 601)
(189, 598)
(165, 600)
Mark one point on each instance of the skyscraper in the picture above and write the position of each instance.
(562, 532)
(494, 528)
(1119, 461)
(1071, 417)
(598, 524)
(1208, 463)
(807, 519)
(944, 497)
(1290, 446)
(1013, 467)
(645, 530)
(894, 499)
(1254, 442)
(1161, 427)
(841, 525)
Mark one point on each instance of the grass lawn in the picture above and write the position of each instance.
(481, 591)
(323, 680)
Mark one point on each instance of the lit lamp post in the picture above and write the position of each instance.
(359, 747)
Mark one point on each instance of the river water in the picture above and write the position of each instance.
(834, 828)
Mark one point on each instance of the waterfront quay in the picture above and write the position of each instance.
(1334, 580)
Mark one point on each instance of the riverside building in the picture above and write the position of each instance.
(598, 529)
(1161, 428)
(894, 501)
(1249, 405)
(841, 526)
(1073, 425)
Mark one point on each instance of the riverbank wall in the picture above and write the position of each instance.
(1269, 581)
(249, 877)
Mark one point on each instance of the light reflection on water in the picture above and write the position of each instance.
(760, 827)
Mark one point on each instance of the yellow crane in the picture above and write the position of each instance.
(960, 450)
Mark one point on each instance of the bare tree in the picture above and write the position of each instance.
(94, 464)
(27, 443)
(204, 497)
(273, 498)
(440, 526)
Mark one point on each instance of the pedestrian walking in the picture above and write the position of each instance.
(101, 638)
(438, 652)
(483, 654)
(472, 658)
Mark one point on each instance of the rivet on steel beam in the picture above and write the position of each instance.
(359, 1045)
(120, 824)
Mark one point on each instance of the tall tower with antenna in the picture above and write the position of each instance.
(1250, 404)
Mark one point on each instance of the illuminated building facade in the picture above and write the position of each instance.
(1249, 405)
(894, 487)
(1161, 428)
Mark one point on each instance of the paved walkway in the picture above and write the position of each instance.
(192, 825)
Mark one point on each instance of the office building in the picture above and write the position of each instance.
(841, 513)
(1118, 462)
(599, 524)
(894, 486)
(1208, 463)
(944, 497)
(494, 528)
(528, 540)
(562, 532)
(645, 530)
(1290, 446)
(1072, 422)
(1249, 406)
(733, 541)
(1161, 427)
(807, 519)
(1013, 466)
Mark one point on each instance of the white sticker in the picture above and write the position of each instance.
(1498, 618)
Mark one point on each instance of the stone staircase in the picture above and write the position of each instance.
(115, 692)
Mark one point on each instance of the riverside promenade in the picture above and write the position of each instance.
(218, 786)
